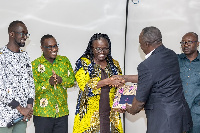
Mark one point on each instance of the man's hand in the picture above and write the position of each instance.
(116, 81)
(118, 77)
(29, 116)
(52, 81)
(26, 112)
(59, 79)
(119, 110)
(127, 78)
(136, 107)
(128, 109)
(55, 79)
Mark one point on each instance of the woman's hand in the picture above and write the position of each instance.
(112, 82)
(117, 81)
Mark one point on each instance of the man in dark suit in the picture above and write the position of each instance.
(159, 90)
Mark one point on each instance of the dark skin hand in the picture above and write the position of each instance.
(119, 110)
(26, 112)
(111, 82)
(30, 106)
(119, 80)
(55, 79)
(136, 107)
(127, 78)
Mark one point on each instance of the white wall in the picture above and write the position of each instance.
(174, 18)
(73, 22)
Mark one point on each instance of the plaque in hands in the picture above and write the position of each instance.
(124, 95)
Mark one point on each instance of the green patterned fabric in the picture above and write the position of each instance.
(51, 101)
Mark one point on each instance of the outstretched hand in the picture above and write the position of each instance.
(118, 77)
(117, 81)
(119, 110)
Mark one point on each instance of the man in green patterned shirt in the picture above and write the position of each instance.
(53, 74)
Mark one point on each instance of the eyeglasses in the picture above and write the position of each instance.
(189, 43)
(23, 34)
(102, 49)
(51, 47)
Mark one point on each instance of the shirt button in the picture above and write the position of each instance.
(188, 76)
(185, 91)
(189, 69)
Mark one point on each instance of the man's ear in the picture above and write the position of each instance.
(41, 47)
(147, 44)
(11, 34)
(198, 44)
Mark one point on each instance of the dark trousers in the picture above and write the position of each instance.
(50, 125)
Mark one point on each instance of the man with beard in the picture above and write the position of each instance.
(53, 74)
(16, 81)
(189, 62)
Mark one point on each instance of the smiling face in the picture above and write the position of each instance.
(100, 49)
(190, 44)
(19, 35)
(50, 49)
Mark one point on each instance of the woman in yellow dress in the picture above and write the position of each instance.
(93, 73)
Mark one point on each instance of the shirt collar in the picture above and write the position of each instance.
(5, 49)
(147, 56)
(58, 58)
(184, 56)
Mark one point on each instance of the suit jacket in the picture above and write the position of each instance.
(159, 86)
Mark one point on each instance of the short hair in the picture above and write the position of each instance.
(45, 37)
(13, 25)
(151, 35)
(195, 35)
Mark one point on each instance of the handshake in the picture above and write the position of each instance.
(116, 81)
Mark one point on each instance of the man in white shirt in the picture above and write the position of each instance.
(17, 89)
